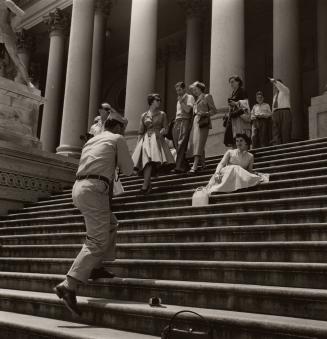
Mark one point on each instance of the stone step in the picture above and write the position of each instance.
(24, 326)
(287, 251)
(280, 232)
(190, 183)
(319, 155)
(139, 317)
(43, 229)
(228, 207)
(303, 275)
(265, 156)
(269, 167)
(310, 215)
(272, 186)
(175, 202)
(274, 300)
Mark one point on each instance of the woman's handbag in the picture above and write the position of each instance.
(204, 121)
(200, 197)
(189, 330)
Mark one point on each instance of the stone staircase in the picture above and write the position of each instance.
(254, 262)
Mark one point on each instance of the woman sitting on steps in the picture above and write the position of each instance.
(235, 170)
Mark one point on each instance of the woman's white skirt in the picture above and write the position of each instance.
(234, 178)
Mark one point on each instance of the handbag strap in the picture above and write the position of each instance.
(194, 313)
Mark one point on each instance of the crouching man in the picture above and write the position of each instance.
(100, 157)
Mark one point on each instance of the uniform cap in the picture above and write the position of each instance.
(118, 117)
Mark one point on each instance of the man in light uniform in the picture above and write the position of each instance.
(182, 126)
(99, 159)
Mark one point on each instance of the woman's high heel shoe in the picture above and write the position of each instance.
(192, 171)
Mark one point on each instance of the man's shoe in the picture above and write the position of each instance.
(101, 273)
(69, 299)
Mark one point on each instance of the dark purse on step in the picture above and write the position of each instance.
(189, 329)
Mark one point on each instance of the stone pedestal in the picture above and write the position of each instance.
(318, 117)
(19, 112)
(27, 174)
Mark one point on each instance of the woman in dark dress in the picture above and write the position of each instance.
(238, 93)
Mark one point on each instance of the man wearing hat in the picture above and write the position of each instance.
(99, 159)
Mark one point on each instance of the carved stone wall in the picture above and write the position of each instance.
(27, 174)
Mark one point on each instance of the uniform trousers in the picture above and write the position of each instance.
(281, 126)
(91, 197)
(181, 134)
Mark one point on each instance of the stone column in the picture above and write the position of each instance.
(77, 91)
(58, 24)
(102, 11)
(227, 47)
(193, 57)
(286, 57)
(322, 44)
(141, 59)
(25, 45)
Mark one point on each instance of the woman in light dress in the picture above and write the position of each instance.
(152, 151)
(203, 108)
(235, 170)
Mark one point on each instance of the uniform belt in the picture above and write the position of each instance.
(93, 176)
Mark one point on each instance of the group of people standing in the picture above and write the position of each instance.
(193, 112)
(264, 126)
(261, 125)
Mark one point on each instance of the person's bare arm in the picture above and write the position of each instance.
(250, 167)
(14, 8)
(224, 162)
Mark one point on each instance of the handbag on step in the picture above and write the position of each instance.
(200, 197)
(191, 328)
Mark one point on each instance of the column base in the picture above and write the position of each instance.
(318, 117)
(69, 151)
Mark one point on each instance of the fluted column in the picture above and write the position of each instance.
(286, 57)
(57, 22)
(102, 11)
(227, 47)
(193, 57)
(322, 44)
(25, 44)
(77, 91)
(141, 59)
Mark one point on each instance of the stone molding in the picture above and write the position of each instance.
(35, 13)
(16, 180)
(57, 21)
